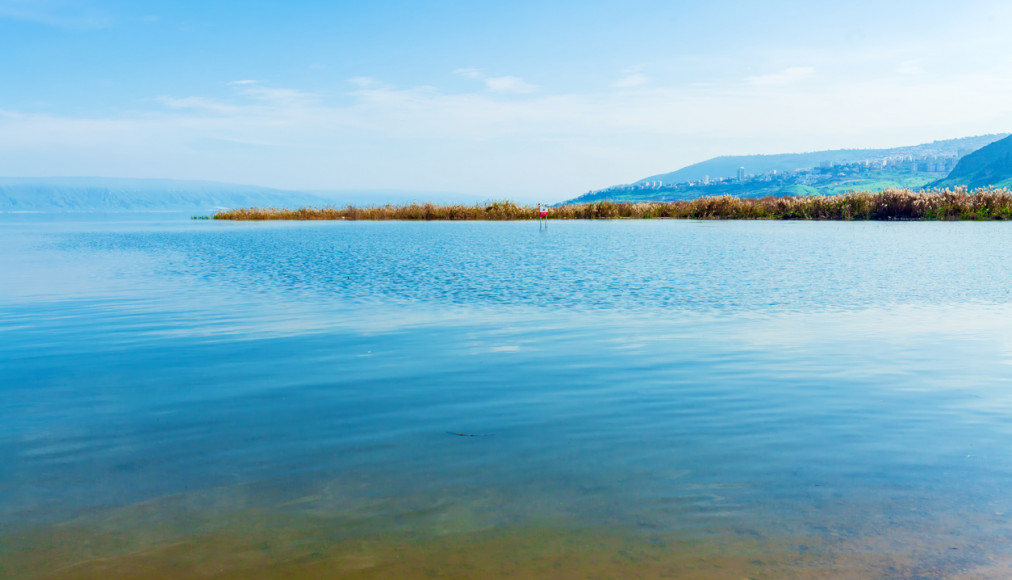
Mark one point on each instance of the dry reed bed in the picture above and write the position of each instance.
(903, 204)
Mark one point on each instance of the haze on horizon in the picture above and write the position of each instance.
(518, 100)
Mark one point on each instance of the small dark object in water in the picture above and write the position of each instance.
(467, 434)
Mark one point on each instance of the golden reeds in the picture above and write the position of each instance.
(904, 204)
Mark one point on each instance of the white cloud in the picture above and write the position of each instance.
(60, 13)
(504, 84)
(425, 138)
(290, 96)
(630, 81)
(195, 103)
(364, 82)
(787, 76)
(262, 92)
(272, 97)
(909, 67)
(509, 84)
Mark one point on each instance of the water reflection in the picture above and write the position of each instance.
(652, 398)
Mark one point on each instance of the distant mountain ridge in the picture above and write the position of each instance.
(727, 165)
(988, 166)
(109, 194)
(48, 194)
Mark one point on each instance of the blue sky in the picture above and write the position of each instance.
(515, 99)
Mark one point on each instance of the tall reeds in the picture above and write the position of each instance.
(902, 204)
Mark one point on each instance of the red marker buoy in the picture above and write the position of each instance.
(542, 216)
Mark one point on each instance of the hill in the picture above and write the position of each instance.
(727, 166)
(990, 165)
(911, 167)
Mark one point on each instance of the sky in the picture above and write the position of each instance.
(522, 100)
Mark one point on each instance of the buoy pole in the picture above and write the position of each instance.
(542, 216)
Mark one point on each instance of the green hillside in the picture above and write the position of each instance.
(990, 165)
(913, 167)
(831, 180)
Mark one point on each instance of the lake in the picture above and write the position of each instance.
(483, 399)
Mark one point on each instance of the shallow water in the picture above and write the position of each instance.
(647, 398)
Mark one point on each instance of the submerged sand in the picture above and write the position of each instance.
(191, 537)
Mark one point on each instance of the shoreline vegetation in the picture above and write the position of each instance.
(890, 204)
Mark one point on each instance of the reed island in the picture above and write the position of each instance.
(890, 204)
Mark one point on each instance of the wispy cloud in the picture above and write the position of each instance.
(200, 103)
(364, 82)
(909, 67)
(422, 136)
(510, 84)
(60, 13)
(280, 95)
(264, 92)
(630, 81)
(503, 84)
(784, 77)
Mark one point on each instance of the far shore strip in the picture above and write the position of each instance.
(891, 204)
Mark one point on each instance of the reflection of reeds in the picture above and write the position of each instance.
(958, 204)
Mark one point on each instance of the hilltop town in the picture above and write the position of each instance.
(840, 171)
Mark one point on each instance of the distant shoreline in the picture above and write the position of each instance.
(892, 204)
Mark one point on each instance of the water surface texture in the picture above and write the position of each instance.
(646, 399)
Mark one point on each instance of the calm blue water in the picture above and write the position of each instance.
(844, 383)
